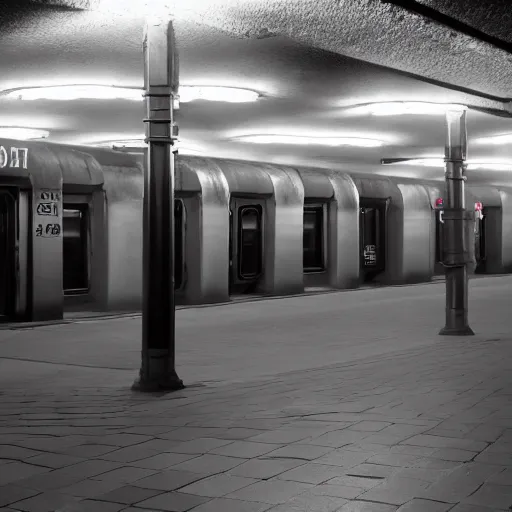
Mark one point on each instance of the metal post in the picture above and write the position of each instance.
(158, 311)
(455, 217)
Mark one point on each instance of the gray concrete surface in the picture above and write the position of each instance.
(339, 402)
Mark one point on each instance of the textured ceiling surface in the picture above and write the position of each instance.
(306, 57)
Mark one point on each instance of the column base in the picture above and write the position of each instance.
(457, 331)
(165, 383)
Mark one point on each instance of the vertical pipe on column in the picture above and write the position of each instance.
(455, 217)
(161, 82)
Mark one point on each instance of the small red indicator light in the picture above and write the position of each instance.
(479, 206)
(439, 201)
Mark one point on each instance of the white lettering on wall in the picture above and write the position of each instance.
(15, 157)
(18, 156)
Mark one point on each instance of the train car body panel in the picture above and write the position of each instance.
(284, 267)
(506, 248)
(204, 192)
(417, 225)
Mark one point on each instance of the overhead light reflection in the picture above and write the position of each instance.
(440, 163)
(304, 140)
(11, 132)
(399, 108)
(187, 93)
(496, 140)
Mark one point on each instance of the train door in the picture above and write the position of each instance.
(438, 264)
(481, 221)
(8, 245)
(179, 243)
(372, 237)
(245, 244)
(75, 248)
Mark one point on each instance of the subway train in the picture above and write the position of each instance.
(71, 230)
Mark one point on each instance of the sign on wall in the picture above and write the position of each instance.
(47, 206)
(15, 157)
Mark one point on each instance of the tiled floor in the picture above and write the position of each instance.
(369, 411)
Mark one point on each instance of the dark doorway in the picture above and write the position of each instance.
(75, 248)
(372, 237)
(7, 254)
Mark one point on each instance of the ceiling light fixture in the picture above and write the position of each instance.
(440, 163)
(496, 140)
(19, 133)
(302, 139)
(187, 93)
(400, 108)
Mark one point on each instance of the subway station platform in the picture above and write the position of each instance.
(346, 401)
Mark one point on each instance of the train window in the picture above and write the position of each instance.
(75, 248)
(250, 243)
(178, 243)
(313, 239)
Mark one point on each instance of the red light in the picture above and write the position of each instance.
(479, 207)
(439, 201)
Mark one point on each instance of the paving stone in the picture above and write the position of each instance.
(244, 449)
(453, 454)
(393, 459)
(310, 503)
(128, 495)
(129, 454)
(273, 492)
(217, 486)
(446, 442)
(162, 460)
(122, 440)
(364, 506)
(45, 502)
(338, 438)
(338, 491)
(280, 436)
(494, 496)
(92, 506)
(344, 458)
(173, 502)
(298, 451)
(464, 507)
(208, 464)
(18, 453)
(355, 481)
(55, 460)
(502, 478)
(168, 480)
(199, 446)
(19, 472)
(11, 494)
(428, 463)
(263, 469)
(124, 475)
(427, 475)
(312, 473)
(229, 505)
(416, 505)
(88, 450)
(369, 426)
(89, 488)
(420, 451)
(395, 491)
(371, 470)
(460, 483)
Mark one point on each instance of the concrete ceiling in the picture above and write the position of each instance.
(309, 59)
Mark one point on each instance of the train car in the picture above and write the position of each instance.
(71, 221)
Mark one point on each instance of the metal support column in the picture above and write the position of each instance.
(161, 77)
(455, 216)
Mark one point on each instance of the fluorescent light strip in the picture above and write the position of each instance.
(304, 140)
(399, 108)
(496, 140)
(440, 163)
(103, 92)
(19, 133)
